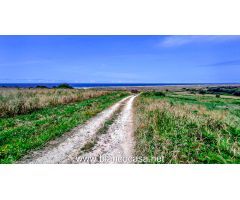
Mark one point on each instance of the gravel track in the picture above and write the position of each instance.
(117, 144)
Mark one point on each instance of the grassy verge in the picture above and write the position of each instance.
(188, 128)
(22, 133)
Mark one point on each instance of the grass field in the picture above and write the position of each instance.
(21, 133)
(187, 128)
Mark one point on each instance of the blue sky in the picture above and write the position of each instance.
(120, 59)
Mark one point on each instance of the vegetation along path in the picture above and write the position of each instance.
(109, 133)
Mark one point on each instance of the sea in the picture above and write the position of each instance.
(101, 85)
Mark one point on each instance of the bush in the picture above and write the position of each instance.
(202, 92)
(217, 95)
(64, 86)
(237, 93)
(134, 91)
(148, 94)
(42, 87)
(160, 94)
(232, 90)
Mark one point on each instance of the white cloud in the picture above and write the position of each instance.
(174, 41)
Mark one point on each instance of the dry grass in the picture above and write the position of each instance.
(21, 101)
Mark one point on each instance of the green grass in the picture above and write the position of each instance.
(22, 133)
(188, 128)
(88, 146)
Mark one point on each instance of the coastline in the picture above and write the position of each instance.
(116, 85)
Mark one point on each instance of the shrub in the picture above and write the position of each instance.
(64, 86)
(148, 94)
(237, 93)
(232, 90)
(217, 95)
(202, 92)
(159, 94)
(42, 87)
(134, 91)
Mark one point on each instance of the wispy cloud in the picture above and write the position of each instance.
(225, 63)
(175, 41)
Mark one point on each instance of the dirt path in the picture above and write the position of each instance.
(117, 141)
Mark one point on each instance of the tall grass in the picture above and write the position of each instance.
(182, 130)
(21, 101)
(22, 133)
